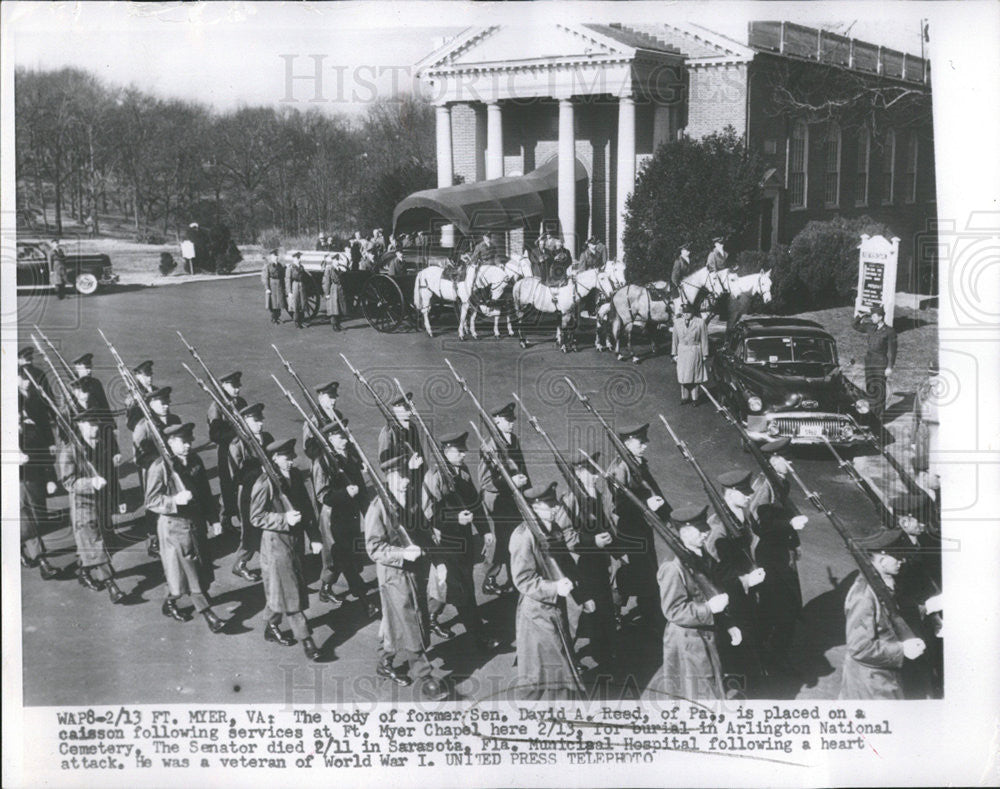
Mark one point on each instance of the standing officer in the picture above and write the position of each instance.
(58, 268)
(333, 289)
(180, 496)
(89, 505)
(143, 373)
(638, 577)
(244, 468)
(341, 496)
(144, 449)
(498, 500)
(454, 512)
(295, 288)
(880, 356)
(690, 349)
(272, 277)
(37, 476)
(222, 434)
(283, 513)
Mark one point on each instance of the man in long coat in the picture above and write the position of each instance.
(401, 569)
(222, 433)
(180, 496)
(880, 355)
(333, 290)
(691, 666)
(875, 654)
(244, 468)
(546, 666)
(296, 289)
(89, 505)
(284, 514)
(145, 451)
(690, 349)
(272, 277)
(57, 275)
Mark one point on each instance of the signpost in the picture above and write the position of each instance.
(877, 261)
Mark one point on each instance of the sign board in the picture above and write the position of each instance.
(877, 261)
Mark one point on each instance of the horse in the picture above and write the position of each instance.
(701, 286)
(598, 306)
(485, 286)
(531, 292)
(742, 290)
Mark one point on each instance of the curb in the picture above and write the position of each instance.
(182, 279)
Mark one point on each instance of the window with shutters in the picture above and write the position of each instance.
(798, 162)
(889, 168)
(831, 171)
(864, 157)
(910, 176)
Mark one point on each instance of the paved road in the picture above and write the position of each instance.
(81, 650)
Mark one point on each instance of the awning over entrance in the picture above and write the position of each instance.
(505, 203)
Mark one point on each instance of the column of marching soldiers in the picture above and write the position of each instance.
(722, 588)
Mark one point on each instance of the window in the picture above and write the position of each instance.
(864, 155)
(831, 158)
(790, 350)
(910, 176)
(798, 163)
(888, 167)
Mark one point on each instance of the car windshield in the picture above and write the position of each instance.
(785, 350)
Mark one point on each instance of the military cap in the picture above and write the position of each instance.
(886, 541)
(685, 245)
(718, 240)
(256, 411)
(586, 458)
(506, 411)
(296, 254)
(403, 401)
(273, 252)
(329, 389)
(592, 240)
(641, 432)
(281, 446)
(336, 427)
(234, 378)
(735, 479)
(457, 440)
(770, 447)
(90, 415)
(145, 368)
(183, 431)
(86, 359)
(878, 308)
(544, 494)
(691, 516)
(906, 504)
(161, 393)
(397, 463)
(27, 353)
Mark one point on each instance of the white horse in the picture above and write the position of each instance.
(609, 279)
(531, 293)
(702, 286)
(742, 290)
(485, 286)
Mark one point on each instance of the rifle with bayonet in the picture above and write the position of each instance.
(384, 409)
(69, 371)
(862, 484)
(500, 444)
(69, 401)
(319, 415)
(878, 586)
(634, 467)
(216, 386)
(550, 568)
(572, 481)
(444, 468)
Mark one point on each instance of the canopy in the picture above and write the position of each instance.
(499, 204)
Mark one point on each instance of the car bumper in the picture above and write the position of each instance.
(804, 428)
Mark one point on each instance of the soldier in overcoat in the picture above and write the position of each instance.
(144, 452)
(690, 349)
(244, 468)
(222, 433)
(143, 374)
(333, 290)
(295, 289)
(37, 475)
(272, 277)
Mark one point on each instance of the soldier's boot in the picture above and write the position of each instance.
(490, 586)
(273, 633)
(47, 571)
(86, 579)
(153, 547)
(399, 676)
(170, 609)
(326, 593)
(244, 572)
(215, 624)
(27, 561)
(439, 629)
(434, 689)
(311, 650)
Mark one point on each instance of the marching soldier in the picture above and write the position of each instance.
(97, 400)
(875, 656)
(143, 373)
(145, 451)
(403, 438)
(89, 505)
(244, 468)
(401, 568)
(283, 514)
(763, 492)
(453, 515)
(546, 665)
(638, 577)
(326, 396)
(272, 277)
(498, 500)
(37, 477)
(590, 537)
(691, 665)
(295, 288)
(26, 361)
(180, 496)
(222, 434)
(339, 482)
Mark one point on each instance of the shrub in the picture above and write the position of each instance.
(821, 269)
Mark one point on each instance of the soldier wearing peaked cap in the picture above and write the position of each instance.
(283, 513)
(401, 438)
(498, 500)
(326, 397)
(97, 400)
(143, 374)
(691, 665)
(342, 497)
(295, 289)
(178, 493)
(875, 655)
(682, 265)
(26, 361)
(222, 433)
(36, 477)
(718, 258)
(455, 514)
(272, 277)
(245, 468)
(145, 451)
(638, 575)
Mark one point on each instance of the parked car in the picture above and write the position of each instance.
(86, 273)
(782, 377)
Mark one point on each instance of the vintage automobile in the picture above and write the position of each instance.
(86, 273)
(782, 377)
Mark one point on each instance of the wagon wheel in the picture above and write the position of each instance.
(383, 304)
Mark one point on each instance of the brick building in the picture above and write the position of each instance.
(604, 97)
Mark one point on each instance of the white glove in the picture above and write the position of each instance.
(934, 604)
(464, 518)
(352, 490)
(602, 540)
(411, 553)
(625, 558)
(799, 522)
(718, 603)
(563, 587)
(754, 577)
(216, 529)
(50, 488)
(416, 461)
(22, 458)
(589, 607)
(317, 547)
(98, 482)
(116, 459)
(654, 502)
(183, 497)
(913, 648)
(520, 480)
(735, 636)
(292, 517)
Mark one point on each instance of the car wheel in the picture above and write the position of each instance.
(86, 284)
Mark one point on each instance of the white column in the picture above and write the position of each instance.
(494, 141)
(626, 165)
(444, 164)
(567, 175)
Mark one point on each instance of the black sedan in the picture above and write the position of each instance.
(86, 273)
